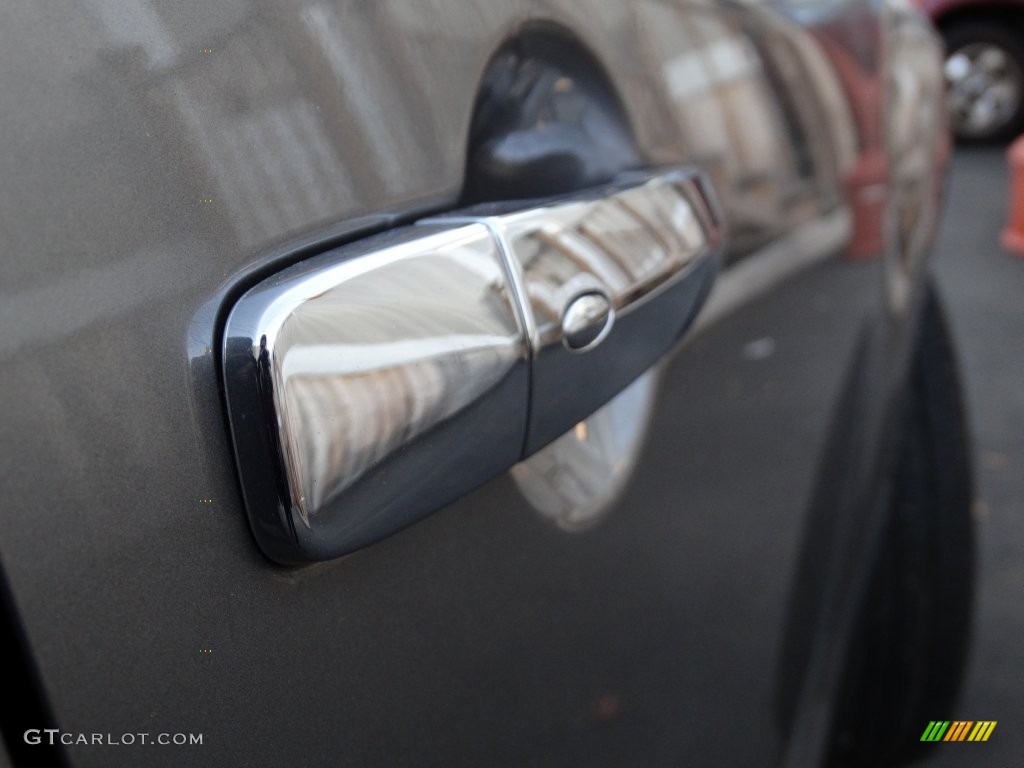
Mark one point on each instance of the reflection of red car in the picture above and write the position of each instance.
(984, 65)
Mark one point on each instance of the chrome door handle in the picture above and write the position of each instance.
(375, 383)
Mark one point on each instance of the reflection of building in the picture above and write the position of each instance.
(367, 366)
(776, 150)
(349, 422)
(790, 123)
(237, 86)
(623, 247)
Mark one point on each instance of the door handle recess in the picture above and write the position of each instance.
(373, 384)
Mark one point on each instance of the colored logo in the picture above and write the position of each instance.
(958, 730)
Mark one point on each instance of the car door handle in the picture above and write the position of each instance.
(375, 383)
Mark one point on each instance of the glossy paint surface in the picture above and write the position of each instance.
(161, 157)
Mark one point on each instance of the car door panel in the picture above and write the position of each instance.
(239, 138)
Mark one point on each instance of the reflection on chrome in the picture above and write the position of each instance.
(640, 247)
(375, 361)
(363, 359)
(376, 383)
(587, 320)
(578, 477)
(624, 246)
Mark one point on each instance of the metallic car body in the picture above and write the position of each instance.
(160, 158)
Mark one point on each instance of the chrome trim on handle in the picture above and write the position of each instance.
(378, 382)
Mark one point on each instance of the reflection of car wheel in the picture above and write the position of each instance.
(911, 641)
(985, 77)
